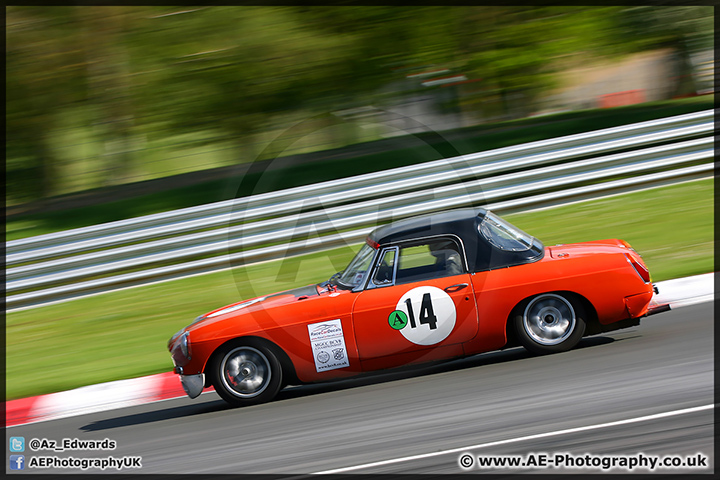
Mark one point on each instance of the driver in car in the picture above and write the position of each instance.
(447, 258)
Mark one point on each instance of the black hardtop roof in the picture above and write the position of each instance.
(463, 223)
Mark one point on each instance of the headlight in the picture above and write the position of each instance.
(185, 344)
(180, 350)
(171, 342)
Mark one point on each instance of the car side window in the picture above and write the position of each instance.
(428, 260)
(385, 269)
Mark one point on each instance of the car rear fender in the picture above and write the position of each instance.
(591, 321)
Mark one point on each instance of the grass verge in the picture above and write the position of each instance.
(123, 334)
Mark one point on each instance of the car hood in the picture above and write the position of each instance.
(286, 297)
(279, 298)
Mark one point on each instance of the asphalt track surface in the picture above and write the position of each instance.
(663, 365)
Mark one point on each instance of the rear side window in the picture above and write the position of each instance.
(431, 259)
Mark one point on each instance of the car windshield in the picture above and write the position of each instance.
(504, 235)
(355, 271)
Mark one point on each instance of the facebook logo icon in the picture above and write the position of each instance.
(17, 462)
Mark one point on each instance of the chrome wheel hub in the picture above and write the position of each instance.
(549, 319)
(245, 372)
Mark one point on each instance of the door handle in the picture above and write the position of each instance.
(456, 287)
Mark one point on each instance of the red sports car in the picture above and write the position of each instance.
(427, 288)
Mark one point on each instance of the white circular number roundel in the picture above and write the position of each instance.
(430, 315)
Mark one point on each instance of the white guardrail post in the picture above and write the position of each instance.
(99, 258)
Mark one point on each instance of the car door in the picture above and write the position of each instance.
(418, 296)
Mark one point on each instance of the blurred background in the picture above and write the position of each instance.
(115, 112)
(110, 95)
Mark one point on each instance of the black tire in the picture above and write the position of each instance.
(549, 323)
(246, 372)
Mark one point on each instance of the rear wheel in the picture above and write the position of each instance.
(246, 373)
(549, 323)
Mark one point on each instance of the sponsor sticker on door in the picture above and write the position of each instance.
(328, 345)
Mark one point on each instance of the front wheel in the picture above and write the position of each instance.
(246, 374)
(549, 323)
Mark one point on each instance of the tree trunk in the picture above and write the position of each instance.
(109, 86)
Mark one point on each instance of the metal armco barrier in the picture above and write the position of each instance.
(73, 263)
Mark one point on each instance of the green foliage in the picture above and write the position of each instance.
(42, 59)
(117, 77)
(683, 28)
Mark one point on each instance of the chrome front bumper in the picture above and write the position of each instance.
(193, 384)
